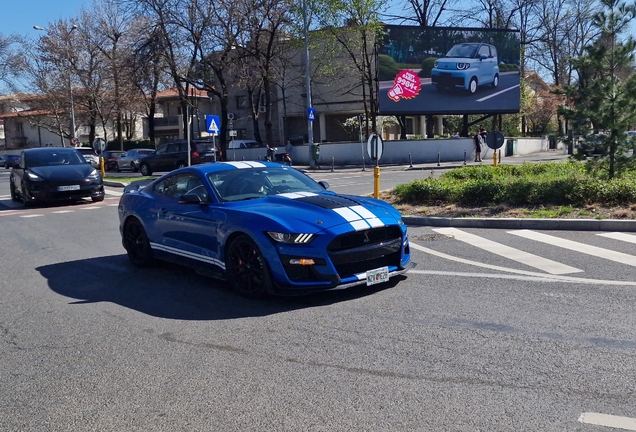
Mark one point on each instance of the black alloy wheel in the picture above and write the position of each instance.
(136, 244)
(247, 269)
(97, 198)
(145, 170)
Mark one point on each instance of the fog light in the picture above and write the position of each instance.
(302, 261)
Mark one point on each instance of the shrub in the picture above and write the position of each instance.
(427, 66)
(387, 68)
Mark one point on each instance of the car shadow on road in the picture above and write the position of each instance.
(176, 292)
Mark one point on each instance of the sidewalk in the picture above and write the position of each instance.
(548, 156)
(487, 223)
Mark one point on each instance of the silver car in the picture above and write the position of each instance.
(130, 159)
(89, 156)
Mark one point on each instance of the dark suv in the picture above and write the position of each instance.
(174, 155)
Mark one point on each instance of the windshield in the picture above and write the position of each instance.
(463, 50)
(52, 158)
(240, 184)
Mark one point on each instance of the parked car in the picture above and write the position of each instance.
(9, 160)
(52, 174)
(130, 159)
(467, 66)
(243, 144)
(110, 159)
(265, 227)
(174, 155)
(89, 155)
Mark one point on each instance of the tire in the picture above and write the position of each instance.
(145, 170)
(133, 168)
(495, 81)
(136, 244)
(25, 201)
(246, 268)
(97, 198)
(117, 168)
(14, 196)
(472, 86)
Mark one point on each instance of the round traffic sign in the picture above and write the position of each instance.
(99, 145)
(494, 140)
(375, 147)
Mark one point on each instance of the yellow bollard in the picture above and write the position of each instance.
(494, 158)
(101, 165)
(376, 182)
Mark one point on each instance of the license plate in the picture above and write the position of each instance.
(377, 276)
(210, 154)
(68, 188)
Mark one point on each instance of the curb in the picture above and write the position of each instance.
(534, 224)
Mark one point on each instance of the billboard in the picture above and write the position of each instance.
(448, 70)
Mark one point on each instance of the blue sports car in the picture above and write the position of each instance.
(267, 228)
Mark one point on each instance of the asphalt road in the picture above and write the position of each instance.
(494, 330)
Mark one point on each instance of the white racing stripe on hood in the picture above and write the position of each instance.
(356, 221)
(367, 216)
(255, 164)
(296, 195)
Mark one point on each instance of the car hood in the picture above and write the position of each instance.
(63, 172)
(312, 213)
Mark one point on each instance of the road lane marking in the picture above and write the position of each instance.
(607, 420)
(544, 278)
(10, 213)
(498, 93)
(607, 254)
(63, 211)
(630, 238)
(90, 208)
(32, 215)
(526, 258)
(522, 272)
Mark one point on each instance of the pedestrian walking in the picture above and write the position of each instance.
(289, 148)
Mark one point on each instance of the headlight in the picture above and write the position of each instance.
(94, 175)
(463, 66)
(33, 176)
(289, 238)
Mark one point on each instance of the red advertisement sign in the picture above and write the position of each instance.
(406, 85)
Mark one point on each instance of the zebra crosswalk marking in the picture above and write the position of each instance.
(607, 254)
(549, 266)
(630, 238)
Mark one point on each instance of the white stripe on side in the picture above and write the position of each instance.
(190, 255)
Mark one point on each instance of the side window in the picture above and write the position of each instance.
(162, 149)
(177, 185)
(483, 50)
(493, 52)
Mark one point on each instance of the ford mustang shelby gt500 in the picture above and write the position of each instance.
(265, 227)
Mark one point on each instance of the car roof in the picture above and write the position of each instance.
(226, 166)
(48, 149)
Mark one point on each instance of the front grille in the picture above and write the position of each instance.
(366, 250)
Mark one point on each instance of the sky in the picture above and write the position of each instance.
(19, 16)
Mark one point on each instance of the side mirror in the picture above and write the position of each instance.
(483, 57)
(324, 184)
(190, 199)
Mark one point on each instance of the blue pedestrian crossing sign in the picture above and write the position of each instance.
(311, 114)
(213, 124)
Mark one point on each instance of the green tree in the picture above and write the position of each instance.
(603, 101)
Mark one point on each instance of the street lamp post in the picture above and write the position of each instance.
(310, 125)
(70, 82)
